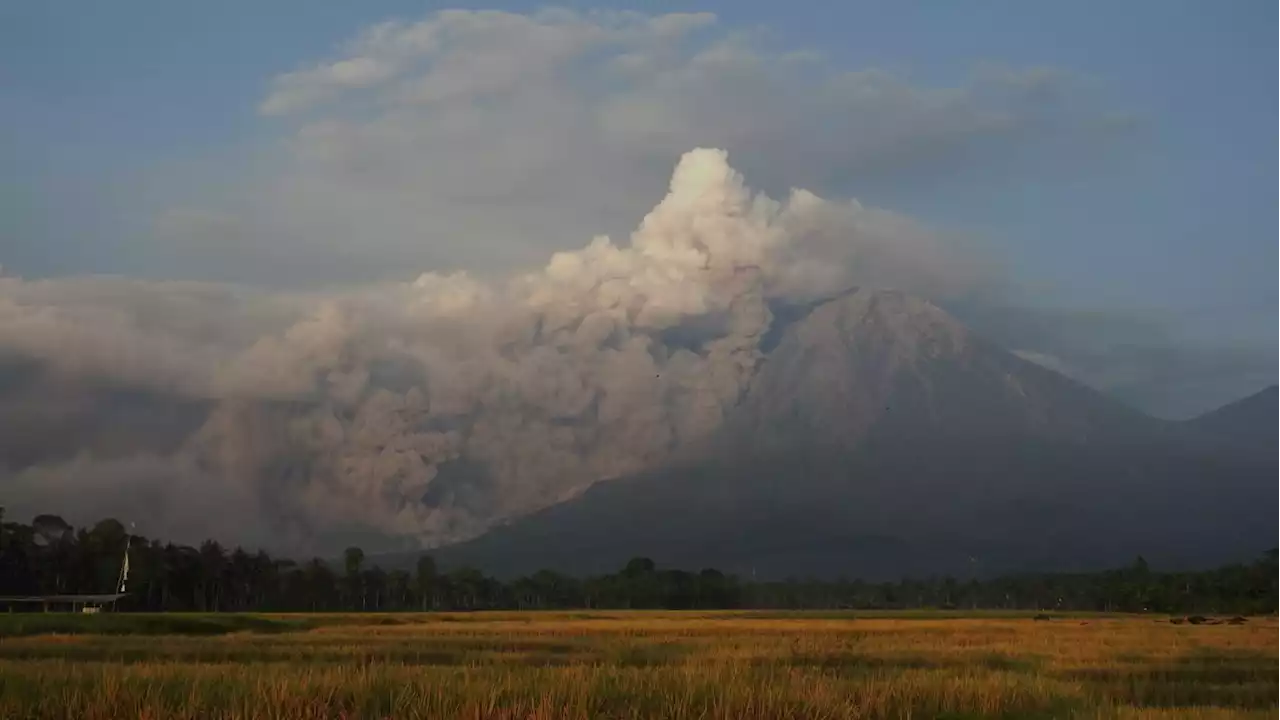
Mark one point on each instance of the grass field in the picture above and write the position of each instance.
(632, 665)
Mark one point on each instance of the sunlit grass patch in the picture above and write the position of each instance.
(749, 666)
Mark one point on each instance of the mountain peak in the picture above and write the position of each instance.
(912, 326)
(889, 362)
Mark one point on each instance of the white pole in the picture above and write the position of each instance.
(124, 566)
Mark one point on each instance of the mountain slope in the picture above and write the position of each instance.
(882, 438)
(1253, 421)
(898, 365)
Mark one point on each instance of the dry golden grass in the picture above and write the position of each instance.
(653, 665)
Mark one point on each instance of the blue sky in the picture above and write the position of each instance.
(113, 113)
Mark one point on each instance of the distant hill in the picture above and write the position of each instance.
(1253, 421)
(883, 438)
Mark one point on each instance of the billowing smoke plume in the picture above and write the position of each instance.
(431, 410)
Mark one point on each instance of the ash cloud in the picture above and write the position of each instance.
(430, 407)
(487, 140)
(345, 409)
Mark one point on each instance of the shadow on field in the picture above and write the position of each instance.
(857, 663)
(448, 652)
(1222, 678)
(640, 656)
(27, 624)
(850, 663)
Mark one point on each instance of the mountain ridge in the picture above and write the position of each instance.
(1250, 421)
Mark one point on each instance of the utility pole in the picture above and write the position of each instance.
(124, 566)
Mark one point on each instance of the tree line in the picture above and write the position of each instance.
(50, 557)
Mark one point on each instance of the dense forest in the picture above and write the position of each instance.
(49, 557)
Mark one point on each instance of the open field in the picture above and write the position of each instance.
(632, 665)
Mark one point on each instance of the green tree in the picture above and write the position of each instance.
(425, 580)
(398, 589)
(212, 574)
(353, 560)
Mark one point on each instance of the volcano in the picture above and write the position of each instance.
(884, 438)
